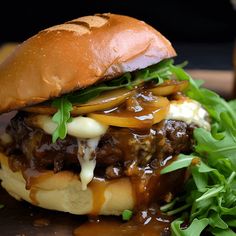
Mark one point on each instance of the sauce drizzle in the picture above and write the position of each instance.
(98, 187)
(149, 222)
(32, 195)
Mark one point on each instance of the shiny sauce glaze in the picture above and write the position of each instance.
(148, 222)
(33, 195)
(139, 111)
(98, 187)
(33, 178)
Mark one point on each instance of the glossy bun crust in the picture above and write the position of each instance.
(77, 54)
(62, 192)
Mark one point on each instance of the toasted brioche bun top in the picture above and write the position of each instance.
(78, 54)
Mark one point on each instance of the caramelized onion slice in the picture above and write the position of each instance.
(120, 121)
(169, 87)
(105, 101)
(152, 113)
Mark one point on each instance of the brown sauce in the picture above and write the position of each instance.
(98, 187)
(33, 196)
(145, 223)
(140, 109)
(114, 228)
(150, 186)
(34, 177)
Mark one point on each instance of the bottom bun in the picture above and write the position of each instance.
(62, 192)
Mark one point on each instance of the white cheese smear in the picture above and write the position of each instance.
(79, 127)
(87, 159)
(189, 111)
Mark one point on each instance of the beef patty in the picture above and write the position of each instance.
(118, 149)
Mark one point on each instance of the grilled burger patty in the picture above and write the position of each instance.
(117, 149)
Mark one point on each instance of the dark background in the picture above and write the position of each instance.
(202, 31)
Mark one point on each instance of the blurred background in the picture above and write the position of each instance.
(202, 31)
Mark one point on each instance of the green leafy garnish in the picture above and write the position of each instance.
(210, 193)
(126, 215)
(195, 229)
(233, 104)
(61, 117)
(182, 162)
(1, 206)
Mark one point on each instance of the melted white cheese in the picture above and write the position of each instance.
(189, 111)
(79, 127)
(87, 159)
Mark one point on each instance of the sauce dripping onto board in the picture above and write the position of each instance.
(145, 223)
(98, 187)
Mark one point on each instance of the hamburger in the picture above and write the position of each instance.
(101, 110)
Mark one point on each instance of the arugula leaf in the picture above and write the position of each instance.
(231, 222)
(222, 232)
(61, 117)
(215, 199)
(216, 149)
(181, 162)
(195, 229)
(212, 192)
(200, 179)
(217, 222)
(233, 104)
